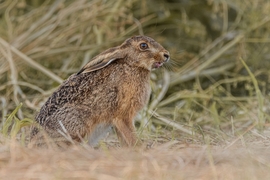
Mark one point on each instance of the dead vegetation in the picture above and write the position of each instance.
(208, 117)
(172, 160)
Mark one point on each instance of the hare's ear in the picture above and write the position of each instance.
(101, 61)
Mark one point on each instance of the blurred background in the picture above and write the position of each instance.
(216, 84)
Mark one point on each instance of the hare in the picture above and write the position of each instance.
(107, 92)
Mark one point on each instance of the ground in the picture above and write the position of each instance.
(162, 159)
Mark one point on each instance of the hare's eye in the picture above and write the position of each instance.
(143, 46)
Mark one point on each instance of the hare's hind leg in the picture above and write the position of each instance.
(69, 123)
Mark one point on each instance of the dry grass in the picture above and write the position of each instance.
(172, 160)
(208, 117)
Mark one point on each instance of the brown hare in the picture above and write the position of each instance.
(107, 92)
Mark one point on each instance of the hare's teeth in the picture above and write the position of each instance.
(157, 64)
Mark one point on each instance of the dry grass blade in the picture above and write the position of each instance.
(220, 52)
(192, 74)
(31, 62)
(173, 124)
(37, 24)
(162, 93)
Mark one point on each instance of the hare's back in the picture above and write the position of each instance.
(84, 89)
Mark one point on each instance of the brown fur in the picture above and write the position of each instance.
(108, 91)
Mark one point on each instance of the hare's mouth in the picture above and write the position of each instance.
(157, 64)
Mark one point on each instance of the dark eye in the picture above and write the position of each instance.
(143, 46)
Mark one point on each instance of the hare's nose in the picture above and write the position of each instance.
(167, 57)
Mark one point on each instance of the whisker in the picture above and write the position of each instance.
(173, 65)
(170, 67)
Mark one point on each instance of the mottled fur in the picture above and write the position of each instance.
(108, 91)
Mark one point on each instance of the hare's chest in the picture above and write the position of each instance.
(134, 96)
(141, 94)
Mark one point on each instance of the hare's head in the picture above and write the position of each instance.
(143, 51)
(139, 51)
